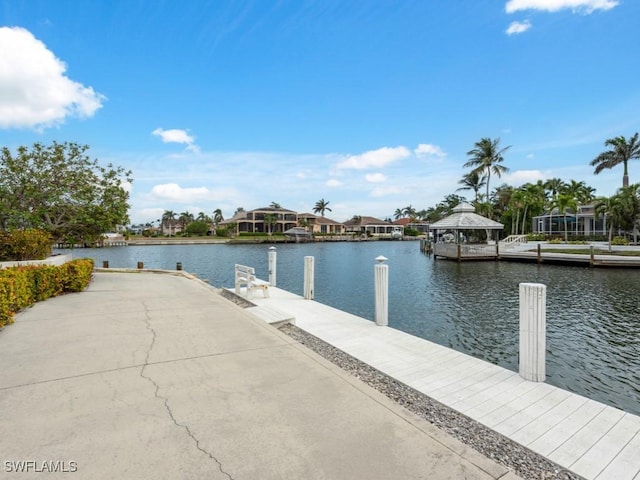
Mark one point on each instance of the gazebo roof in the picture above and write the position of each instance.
(465, 218)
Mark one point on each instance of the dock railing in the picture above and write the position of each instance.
(464, 251)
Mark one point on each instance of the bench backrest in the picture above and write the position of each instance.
(244, 271)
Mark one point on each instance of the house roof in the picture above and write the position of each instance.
(465, 218)
(319, 219)
(367, 221)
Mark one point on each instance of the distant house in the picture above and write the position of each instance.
(582, 222)
(369, 226)
(422, 227)
(322, 225)
(263, 220)
(171, 227)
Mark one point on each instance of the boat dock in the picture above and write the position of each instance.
(589, 438)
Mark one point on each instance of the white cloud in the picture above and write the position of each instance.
(175, 193)
(375, 158)
(425, 150)
(520, 177)
(585, 6)
(34, 91)
(333, 183)
(176, 135)
(375, 177)
(518, 27)
(385, 191)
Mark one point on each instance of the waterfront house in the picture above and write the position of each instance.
(369, 226)
(321, 225)
(582, 223)
(263, 220)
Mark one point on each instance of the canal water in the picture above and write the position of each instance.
(593, 316)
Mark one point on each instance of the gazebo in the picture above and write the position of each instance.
(458, 236)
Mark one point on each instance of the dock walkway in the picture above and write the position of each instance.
(594, 440)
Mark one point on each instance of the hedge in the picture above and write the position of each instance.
(21, 287)
(24, 245)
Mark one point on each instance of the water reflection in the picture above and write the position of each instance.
(593, 316)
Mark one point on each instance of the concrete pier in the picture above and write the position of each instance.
(157, 376)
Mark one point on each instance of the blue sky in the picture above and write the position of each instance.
(370, 105)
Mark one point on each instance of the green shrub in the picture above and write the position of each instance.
(18, 245)
(22, 286)
(555, 240)
(619, 241)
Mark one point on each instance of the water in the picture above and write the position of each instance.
(593, 316)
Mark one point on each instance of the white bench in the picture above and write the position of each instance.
(247, 276)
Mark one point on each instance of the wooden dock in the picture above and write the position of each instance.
(592, 439)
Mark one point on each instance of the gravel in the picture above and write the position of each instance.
(527, 464)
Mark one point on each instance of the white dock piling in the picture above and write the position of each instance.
(308, 277)
(381, 284)
(533, 325)
(272, 266)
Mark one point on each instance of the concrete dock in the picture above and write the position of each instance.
(157, 376)
(594, 440)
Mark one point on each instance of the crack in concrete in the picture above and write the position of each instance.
(166, 399)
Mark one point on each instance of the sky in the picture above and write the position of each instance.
(370, 105)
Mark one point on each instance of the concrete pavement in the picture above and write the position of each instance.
(157, 376)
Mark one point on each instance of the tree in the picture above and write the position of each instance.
(185, 218)
(564, 202)
(238, 210)
(217, 216)
(270, 219)
(621, 152)
(198, 228)
(321, 206)
(554, 186)
(612, 209)
(472, 181)
(486, 158)
(399, 213)
(168, 219)
(58, 188)
(275, 205)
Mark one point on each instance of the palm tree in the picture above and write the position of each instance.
(185, 218)
(409, 211)
(472, 181)
(486, 158)
(270, 219)
(554, 186)
(321, 206)
(580, 191)
(399, 213)
(621, 152)
(217, 216)
(564, 202)
(275, 205)
(168, 217)
(203, 217)
(612, 209)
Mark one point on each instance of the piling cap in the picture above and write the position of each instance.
(381, 259)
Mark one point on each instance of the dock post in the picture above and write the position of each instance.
(308, 277)
(533, 325)
(591, 256)
(381, 284)
(105, 264)
(539, 254)
(140, 265)
(272, 266)
(179, 266)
